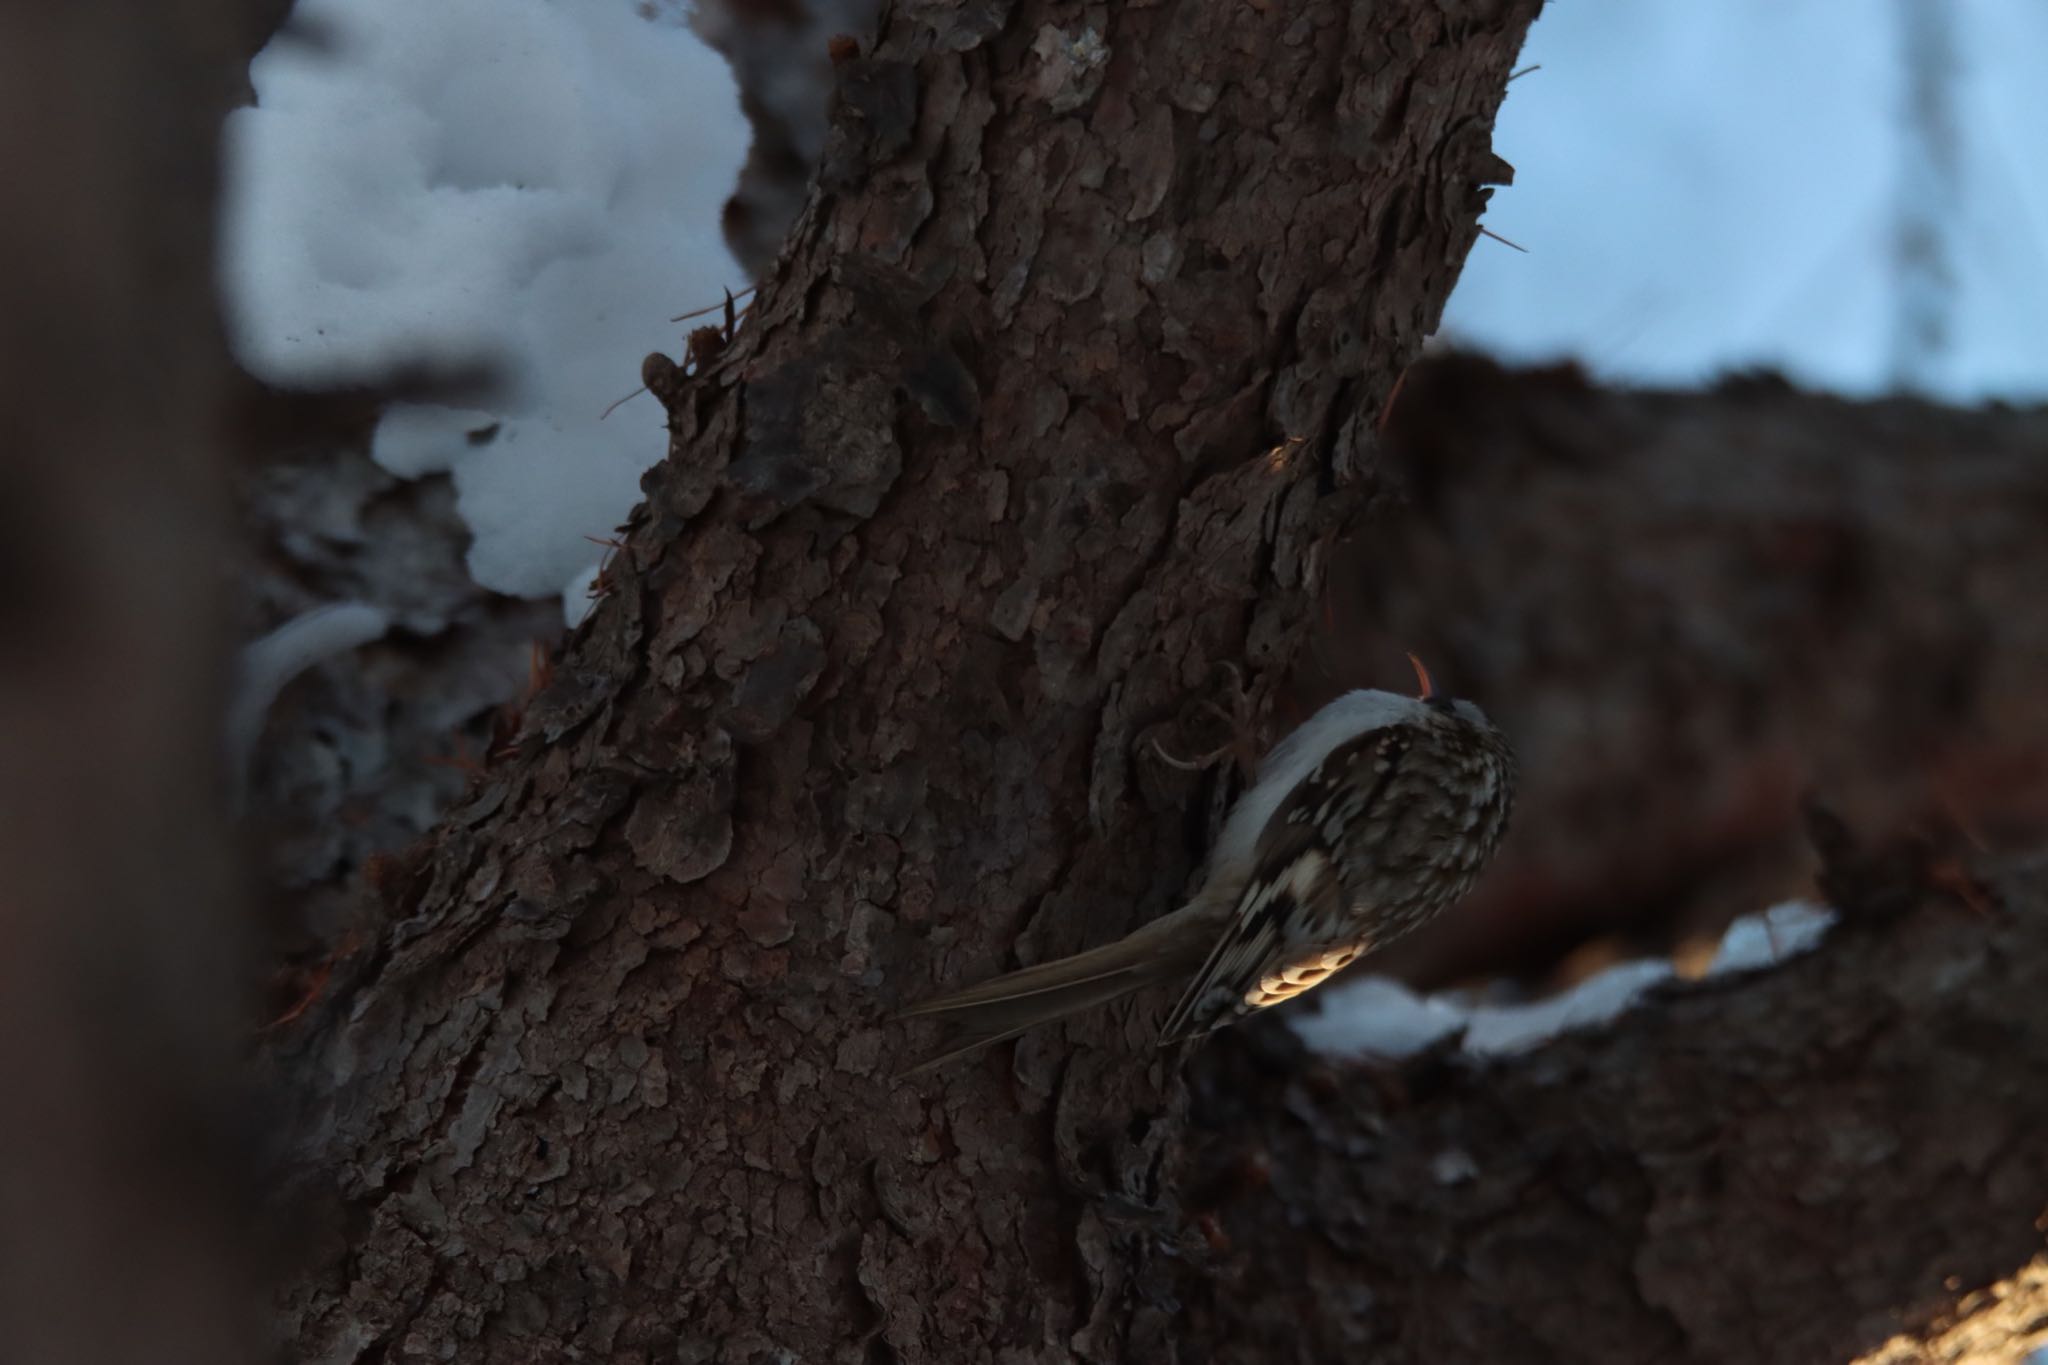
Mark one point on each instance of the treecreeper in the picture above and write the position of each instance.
(1367, 820)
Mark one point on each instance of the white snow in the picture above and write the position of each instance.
(1711, 187)
(579, 598)
(1377, 1017)
(532, 185)
(1501, 1030)
(1781, 932)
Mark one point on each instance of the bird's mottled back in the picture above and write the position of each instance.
(1387, 828)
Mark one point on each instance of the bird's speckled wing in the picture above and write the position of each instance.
(1294, 925)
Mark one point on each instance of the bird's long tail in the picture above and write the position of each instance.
(1008, 1005)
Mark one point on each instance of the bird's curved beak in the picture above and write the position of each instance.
(1422, 676)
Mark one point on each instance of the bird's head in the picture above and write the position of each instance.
(1451, 708)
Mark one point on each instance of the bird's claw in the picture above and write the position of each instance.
(1200, 763)
(1241, 715)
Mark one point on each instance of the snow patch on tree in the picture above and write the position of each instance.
(509, 184)
(1378, 1017)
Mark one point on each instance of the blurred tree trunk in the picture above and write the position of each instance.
(1689, 609)
(119, 1235)
(1067, 378)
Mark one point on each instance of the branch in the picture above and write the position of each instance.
(1806, 1165)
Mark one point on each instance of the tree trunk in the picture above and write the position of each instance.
(122, 1212)
(1064, 383)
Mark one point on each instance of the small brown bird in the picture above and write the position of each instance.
(1363, 823)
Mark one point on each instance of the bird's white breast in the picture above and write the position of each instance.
(1291, 760)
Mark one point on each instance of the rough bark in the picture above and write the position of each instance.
(120, 1235)
(1067, 377)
